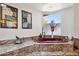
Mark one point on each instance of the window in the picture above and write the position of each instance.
(56, 17)
(47, 19)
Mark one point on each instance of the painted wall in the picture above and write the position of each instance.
(67, 25)
(36, 24)
(70, 21)
(76, 20)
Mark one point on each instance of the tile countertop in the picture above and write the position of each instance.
(11, 47)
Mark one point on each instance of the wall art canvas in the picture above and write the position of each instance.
(8, 16)
(26, 20)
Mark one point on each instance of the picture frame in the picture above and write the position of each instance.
(26, 20)
(8, 16)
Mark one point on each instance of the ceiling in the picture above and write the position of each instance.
(47, 8)
(50, 7)
(55, 6)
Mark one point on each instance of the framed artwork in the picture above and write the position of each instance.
(26, 20)
(8, 16)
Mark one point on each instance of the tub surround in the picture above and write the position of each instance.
(19, 52)
(70, 42)
(54, 47)
(11, 47)
(29, 46)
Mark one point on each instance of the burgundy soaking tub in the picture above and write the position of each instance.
(52, 40)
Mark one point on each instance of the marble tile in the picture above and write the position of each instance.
(30, 48)
(47, 53)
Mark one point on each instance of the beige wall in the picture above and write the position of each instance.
(67, 18)
(70, 21)
(69, 25)
(76, 20)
